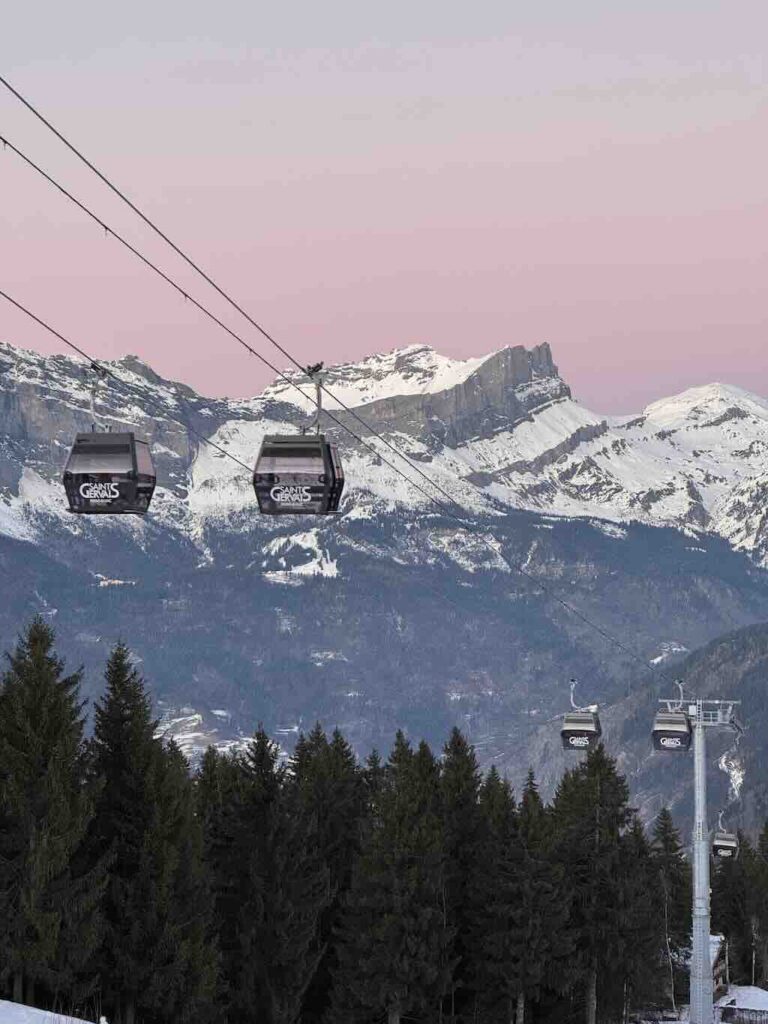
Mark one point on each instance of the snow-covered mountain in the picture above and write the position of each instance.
(653, 525)
(497, 433)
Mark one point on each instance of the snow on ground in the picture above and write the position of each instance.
(15, 1013)
(700, 457)
(13, 523)
(668, 649)
(469, 551)
(218, 485)
(414, 370)
(35, 495)
(702, 405)
(385, 482)
(282, 550)
(547, 428)
(193, 732)
(745, 997)
(734, 768)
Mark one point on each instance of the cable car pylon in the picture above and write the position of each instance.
(699, 716)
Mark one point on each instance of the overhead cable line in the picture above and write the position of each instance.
(209, 280)
(101, 368)
(220, 323)
(513, 566)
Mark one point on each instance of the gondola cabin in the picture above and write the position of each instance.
(298, 474)
(725, 845)
(581, 730)
(109, 474)
(672, 731)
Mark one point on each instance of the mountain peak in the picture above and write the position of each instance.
(705, 404)
(416, 369)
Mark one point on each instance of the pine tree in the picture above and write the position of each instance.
(641, 937)
(154, 957)
(544, 941)
(394, 937)
(494, 895)
(672, 876)
(225, 816)
(520, 940)
(269, 884)
(590, 813)
(373, 783)
(182, 985)
(125, 756)
(459, 788)
(327, 788)
(306, 755)
(735, 911)
(49, 920)
(759, 871)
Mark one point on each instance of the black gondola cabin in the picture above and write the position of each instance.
(672, 731)
(581, 730)
(109, 474)
(298, 474)
(725, 845)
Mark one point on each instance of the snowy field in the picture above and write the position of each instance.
(744, 997)
(15, 1013)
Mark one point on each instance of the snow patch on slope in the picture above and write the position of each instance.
(543, 431)
(218, 485)
(744, 997)
(415, 370)
(15, 1013)
(284, 548)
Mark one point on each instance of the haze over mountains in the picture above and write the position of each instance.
(653, 525)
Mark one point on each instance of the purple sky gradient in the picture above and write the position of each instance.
(466, 176)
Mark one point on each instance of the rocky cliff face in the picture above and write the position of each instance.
(653, 526)
(501, 392)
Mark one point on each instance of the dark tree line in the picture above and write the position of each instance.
(740, 910)
(319, 890)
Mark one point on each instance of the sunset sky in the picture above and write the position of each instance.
(368, 176)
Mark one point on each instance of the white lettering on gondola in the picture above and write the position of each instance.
(290, 494)
(579, 741)
(100, 492)
(670, 741)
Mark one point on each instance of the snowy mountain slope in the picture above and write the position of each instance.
(391, 613)
(698, 460)
(415, 370)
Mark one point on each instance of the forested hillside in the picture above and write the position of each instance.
(260, 889)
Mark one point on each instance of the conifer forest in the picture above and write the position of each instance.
(316, 889)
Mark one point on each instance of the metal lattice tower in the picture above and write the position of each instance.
(702, 714)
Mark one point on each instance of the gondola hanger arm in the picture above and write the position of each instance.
(99, 377)
(592, 708)
(679, 685)
(315, 373)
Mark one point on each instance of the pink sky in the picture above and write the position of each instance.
(466, 176)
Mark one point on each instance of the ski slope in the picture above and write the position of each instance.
(15, 1013)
